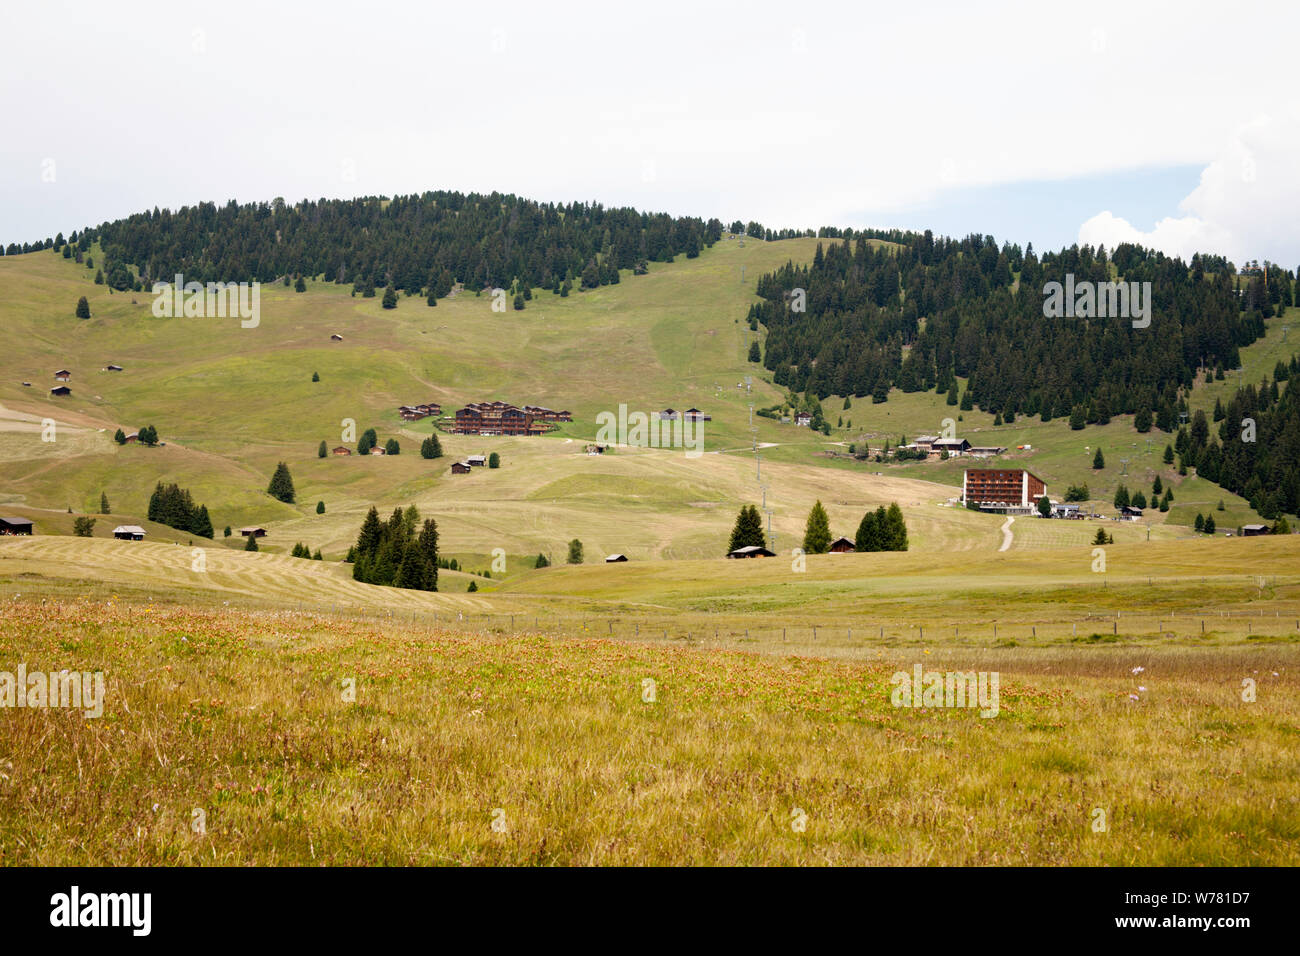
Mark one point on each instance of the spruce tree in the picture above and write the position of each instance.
(322, 451)
(252, 543)
(281, 486)
(575, 552)
(748, 531)
(1098, 460)
(83, 308)
(320, 507)
(895, 536)
(817, 531)
(103, 503)
(868, 536)
(390, 298)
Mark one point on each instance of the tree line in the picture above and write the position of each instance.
(921, 312)
(173, 506)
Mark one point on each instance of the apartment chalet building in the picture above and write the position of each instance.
(502, 418)
(1005, 490)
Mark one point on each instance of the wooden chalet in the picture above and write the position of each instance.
(460, 468)
(60, 390)
(129, 532)
(616, 559)
(843, 546)
(342, 450)
(752, 551)
(63, 375)
(256, 531)
(15, 526)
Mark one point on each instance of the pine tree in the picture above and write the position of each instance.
(541, 561)
(1121, 497)
(252, 543)
(1169, 455)
(281, 486)
(201, 524)
(1098, 460)
(322, 451)
(1209, 524)
(431, 448)
(390, 298)
(103, 503)
(1044, 506)
(895, 528)
(494, 460)
(817, 531)
(1199, 524)
(320, 507)
(120, 437)
(575, 552)
(748, 531)
(300, 286)
(391, 447)
(83, 308)
(754, 354)
(869, 534)
(315, 376)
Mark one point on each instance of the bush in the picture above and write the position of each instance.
(83, 527)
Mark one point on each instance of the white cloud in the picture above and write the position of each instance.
(1246, 206)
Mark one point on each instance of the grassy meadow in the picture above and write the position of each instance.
(767, 736)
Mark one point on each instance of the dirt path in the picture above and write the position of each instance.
(1006, 534)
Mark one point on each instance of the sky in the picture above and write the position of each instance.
(1176, 125)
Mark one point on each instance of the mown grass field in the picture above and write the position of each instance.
(234, 738)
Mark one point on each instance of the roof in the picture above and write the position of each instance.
(753, 549)
(256, 527)
(476, 458)
(63, 371)
(27, 521)
(616, 557)
(128, 529)
(1253, 527)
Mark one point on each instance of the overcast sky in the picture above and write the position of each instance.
(1172, 124)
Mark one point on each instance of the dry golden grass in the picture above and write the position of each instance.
(240, 716)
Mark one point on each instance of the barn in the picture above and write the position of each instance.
(342, 450)
(752, 551)
(60, 390)
(843, 546)
(616, 559)
(129, 532)
(460, 468)
(15, 526)
(254, 532)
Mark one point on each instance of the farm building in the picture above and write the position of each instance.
(924, 442)
(752, 551)
(668, 415)
(460, 468)
(616, 559)
(803, 419)
(411, 414)
(15, 526)
(129, 532)
(60, 390)
(843, 546)
(112, 368)
(1251, 530)
(1065, 510)
(695, 415)
(336, 337)
(63, 375)
(985, 451)
(953, 446)
(1129, 513)
(377, 450)
(254, 532)
(1002, 489)
(132, 438)
(342, 450)
(478, 461)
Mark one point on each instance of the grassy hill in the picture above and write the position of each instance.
(231, 402)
